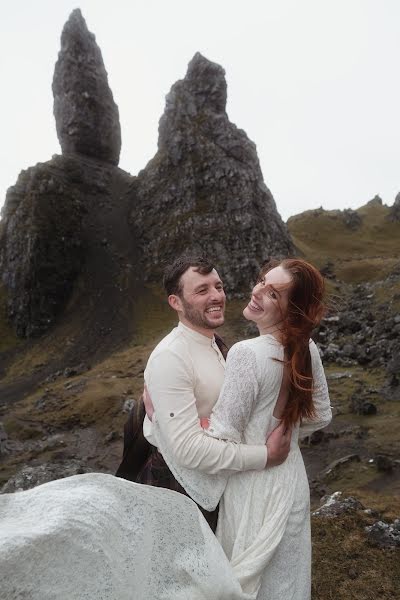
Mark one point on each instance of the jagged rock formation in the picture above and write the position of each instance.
(394, 214)
(87, 117)
(58, 218)
(66, 221)
(204, 190)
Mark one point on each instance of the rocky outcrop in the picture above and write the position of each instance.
(394, 213)
(45, 238)
(375, 201)
(370, 340)
(384, 535)
(204, 191)
(41, 247)
(63, 220)
(87, 117)
(334, 505)
(351, 219)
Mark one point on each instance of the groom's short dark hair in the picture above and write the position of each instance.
(174, 272)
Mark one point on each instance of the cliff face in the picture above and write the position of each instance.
(41, 248)
(204, 190)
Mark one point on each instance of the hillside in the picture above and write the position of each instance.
(363, 245)
(65, 417)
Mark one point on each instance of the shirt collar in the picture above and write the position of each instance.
(195, 335)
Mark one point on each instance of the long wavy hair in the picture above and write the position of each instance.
(304, 312)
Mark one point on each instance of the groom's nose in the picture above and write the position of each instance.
(217, 295)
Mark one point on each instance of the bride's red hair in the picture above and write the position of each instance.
(304, 312)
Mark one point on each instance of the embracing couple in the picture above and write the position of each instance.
(226, 433)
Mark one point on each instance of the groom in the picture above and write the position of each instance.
(184, 375)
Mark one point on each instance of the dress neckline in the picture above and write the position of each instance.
(269, 335)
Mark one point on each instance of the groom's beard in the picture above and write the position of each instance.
(199, 318)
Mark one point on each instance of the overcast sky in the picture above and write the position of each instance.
(314, 83)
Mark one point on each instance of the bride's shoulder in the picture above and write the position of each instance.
(247, 347)
(244, 347)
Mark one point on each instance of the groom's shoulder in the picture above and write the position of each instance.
(172, 343)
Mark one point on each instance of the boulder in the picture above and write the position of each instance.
(334, 505)
(384, 535)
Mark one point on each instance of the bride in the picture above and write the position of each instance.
(264, 516)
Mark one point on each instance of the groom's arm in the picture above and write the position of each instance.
(170, 383)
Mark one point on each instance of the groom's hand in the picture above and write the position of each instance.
(278, 445)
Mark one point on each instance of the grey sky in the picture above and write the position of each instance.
(314, 83)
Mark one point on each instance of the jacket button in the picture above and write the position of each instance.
(171, 414)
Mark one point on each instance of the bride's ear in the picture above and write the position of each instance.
(175, 302)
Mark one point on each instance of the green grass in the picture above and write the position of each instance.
(153, 315)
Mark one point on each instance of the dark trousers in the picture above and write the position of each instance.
(144, 464)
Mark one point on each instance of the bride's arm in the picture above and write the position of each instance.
(235, 403)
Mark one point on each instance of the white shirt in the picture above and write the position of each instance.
(184, 375)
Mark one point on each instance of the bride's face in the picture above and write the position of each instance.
(269, 300)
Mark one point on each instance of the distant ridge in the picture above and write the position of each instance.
(363, 244)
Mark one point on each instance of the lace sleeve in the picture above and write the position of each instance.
(320, 397)
(239, 391)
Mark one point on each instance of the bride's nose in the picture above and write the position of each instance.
(257, 288)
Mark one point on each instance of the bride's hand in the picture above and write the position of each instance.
(148, 405)
(278, 445)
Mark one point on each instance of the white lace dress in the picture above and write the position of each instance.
(264, 517)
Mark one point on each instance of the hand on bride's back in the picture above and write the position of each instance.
(278, 445)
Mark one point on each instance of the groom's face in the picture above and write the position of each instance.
(202, 299)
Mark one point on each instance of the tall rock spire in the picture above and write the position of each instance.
(206, 182)
(87, 118)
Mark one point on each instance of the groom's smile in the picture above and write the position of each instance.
(202, 300)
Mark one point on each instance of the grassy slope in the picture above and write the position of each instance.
(367, 253)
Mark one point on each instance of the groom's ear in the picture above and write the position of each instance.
(175, 302)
